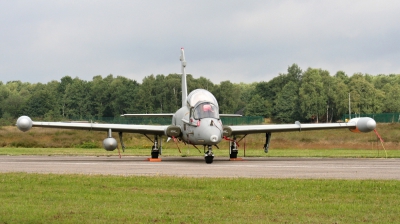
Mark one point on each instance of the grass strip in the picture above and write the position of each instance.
(51, 198)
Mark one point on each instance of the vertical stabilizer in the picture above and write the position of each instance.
(184, 85)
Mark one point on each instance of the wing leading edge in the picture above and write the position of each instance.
(171, 115)
(364, 124)
(24, 123)
(147, 115)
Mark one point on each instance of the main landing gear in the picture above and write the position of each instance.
(233, 149)
(233, 145)
(209, 155)
(156, 149)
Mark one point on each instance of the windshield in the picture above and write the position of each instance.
(205, 110)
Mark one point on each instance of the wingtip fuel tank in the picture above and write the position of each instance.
(24, 123)
(363, 124)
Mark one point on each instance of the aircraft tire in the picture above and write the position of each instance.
(209, 159)
(233, 155)
(154, 154)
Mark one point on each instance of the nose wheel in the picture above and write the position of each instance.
(209, 155)
(209, 159)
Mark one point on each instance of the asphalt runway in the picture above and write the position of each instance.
(264, 167)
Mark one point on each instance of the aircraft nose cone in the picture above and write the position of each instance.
(214, 138)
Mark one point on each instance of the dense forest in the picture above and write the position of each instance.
(312, 95)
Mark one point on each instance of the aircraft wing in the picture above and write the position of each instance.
(171, 115)
(230, 115)
(147, 115)
(25, 123)
(364, 124)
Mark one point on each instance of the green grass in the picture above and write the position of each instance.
(331, 153)
(41, 198)
(50, 198)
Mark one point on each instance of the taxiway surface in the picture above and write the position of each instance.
(265, 167)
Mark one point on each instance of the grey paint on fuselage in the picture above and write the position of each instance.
(205, 131)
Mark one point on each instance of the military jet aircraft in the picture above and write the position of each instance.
(197, 122)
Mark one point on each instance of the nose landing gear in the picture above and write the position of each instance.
(209, 155)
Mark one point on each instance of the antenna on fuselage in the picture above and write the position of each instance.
(184, 85)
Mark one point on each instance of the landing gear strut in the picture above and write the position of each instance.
(233, 149)
(156, 149)
(267, 140)
(209, 155)
(122, 142)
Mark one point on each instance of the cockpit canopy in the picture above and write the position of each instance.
(205, 110)
(201, 95)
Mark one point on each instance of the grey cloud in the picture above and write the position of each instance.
(225, 40)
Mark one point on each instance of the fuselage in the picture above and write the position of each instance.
(199, 119)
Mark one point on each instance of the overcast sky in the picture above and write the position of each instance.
(241, 41)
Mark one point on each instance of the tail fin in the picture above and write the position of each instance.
(184, 85)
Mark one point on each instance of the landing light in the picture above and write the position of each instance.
(214, 138)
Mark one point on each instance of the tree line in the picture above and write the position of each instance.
(312, 95)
